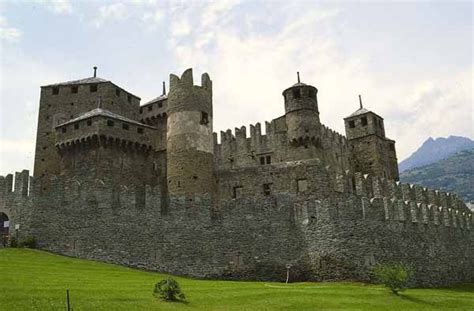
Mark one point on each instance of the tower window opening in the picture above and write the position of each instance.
(55, 90)
(74, 89)
(64, 130)
(312, 93)
(237, 192)
(93, 88)
(140, 130)
(160, 104)
(392, 147)
(204, 118)
(125, 126)
(110, 123)
(296, 93)
(76, 126)
(351, 124)
(268, 159)
(141, 110)
(89, 122)
(129, 98)
(267, 189)
(117, 92)
(363, 121)
(150, 108)
(262, 160)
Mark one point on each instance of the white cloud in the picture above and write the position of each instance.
(8, 33)
(180, 27)
(155, 17)
(57, 6)
(112, 12)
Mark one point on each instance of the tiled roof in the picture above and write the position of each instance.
(157, 99)
(103, 113)
(359, 112)
(81, 81)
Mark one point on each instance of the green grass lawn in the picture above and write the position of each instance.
(36, 280)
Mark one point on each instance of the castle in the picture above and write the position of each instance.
(152, 187)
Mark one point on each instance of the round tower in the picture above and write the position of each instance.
(189, 139)
(302, 115)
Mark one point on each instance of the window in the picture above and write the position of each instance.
(125, 126)
(150, 108)
(363, 121)
(64, 129)
(160, 104)
(89, 122)
(267, 189)
(262, 160)
(351, 124)
(237, 193)
(140, 130)
(302, 185)
(296, 93)
(204, 118)
(312, 93)
(141, 109)
(55, 90)
(76, 126)
(74, 89)
(392, 147)
(72, 104)
(117, 92)
(268, 159)
(93, 88)
(129, 98)
(110, 123)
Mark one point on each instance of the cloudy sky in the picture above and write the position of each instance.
(412, 62)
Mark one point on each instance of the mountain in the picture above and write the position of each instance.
(453, 174)
(434, 150)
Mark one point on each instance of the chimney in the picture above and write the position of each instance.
(164, 88)
(95, 71)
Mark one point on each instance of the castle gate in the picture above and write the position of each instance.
(4, 229)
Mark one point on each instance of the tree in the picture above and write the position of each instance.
(394, 276)
(169, 290)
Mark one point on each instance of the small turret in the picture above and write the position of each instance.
(190, 147)
(302, 114)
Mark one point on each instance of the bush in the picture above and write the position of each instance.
(169, 290)
(13, 242)
(29, 242)
(393, 276)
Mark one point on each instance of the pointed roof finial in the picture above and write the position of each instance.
(360, 102)
(99, 102)
(298, 75)
(95, 71)
(164, 88)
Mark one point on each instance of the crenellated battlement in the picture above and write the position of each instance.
(19, 185)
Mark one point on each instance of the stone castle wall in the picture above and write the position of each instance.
(360, 222)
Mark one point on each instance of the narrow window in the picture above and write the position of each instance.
(204, 118)
(89, 122)
(140, 130)
(302, 185)
(296, 93)
(125, 126)
(262, 160)
(364, 121)
(269, 159)
(64, 129)
(129, 98)
(267, 190)
(237, 193)
(312, 93)
(160, 104)
(74, 89)
(76, 126)
(392, 147)
(55, 90)
(141, 109)
(351, 124)
(150, 108)
(117, 92)
(110, 123)
(93, 88)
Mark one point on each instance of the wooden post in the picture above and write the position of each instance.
(67, 300)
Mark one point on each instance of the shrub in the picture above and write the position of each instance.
(169, 290)
(394, 276)
(29, 242)
(13, 242)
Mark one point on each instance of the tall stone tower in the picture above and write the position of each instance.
(190, 158)
(372, 152)
(302, 115)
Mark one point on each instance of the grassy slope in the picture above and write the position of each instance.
(35, 280)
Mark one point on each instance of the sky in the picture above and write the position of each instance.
(410, 61)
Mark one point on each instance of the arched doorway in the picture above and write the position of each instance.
(4, 229)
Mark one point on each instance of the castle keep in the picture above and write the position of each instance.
(153, 187)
